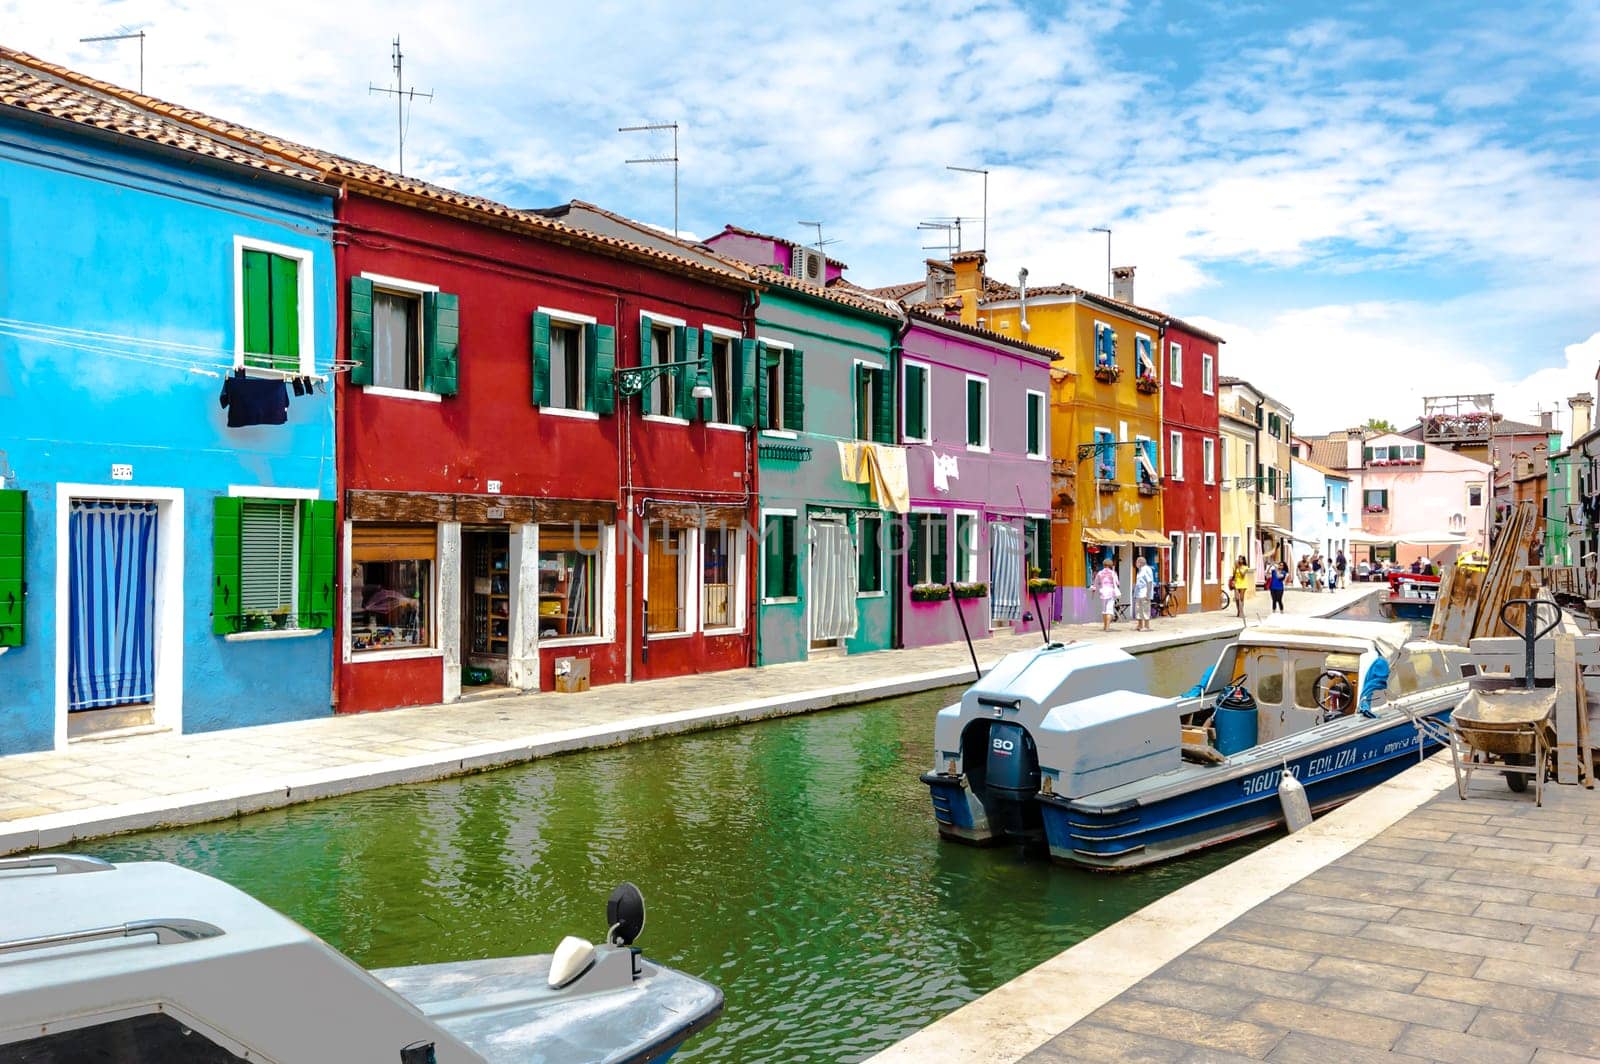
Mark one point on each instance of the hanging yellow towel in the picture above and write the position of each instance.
(852, 466)
(891, 483)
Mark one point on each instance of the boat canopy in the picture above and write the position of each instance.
(1386, 637)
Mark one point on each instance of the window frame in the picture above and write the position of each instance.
(966, 432)
(1101, 327)
(930, 516)
(1044, 425)
(1175, 455)
(927, 401)
(582, 322)
(297, 496)
(736, 572)
(1104, 437)
(434, 648)
(688, 582)
(305, 294)
(880, 381)
(1478, 487)
(730, 338)
(768, 395)
(1179, 565)
(1208, 373)
(1210, 568)
(965, 559)
(1175, 364)
(420, 290)
(1155, 365)
(667, 383)
(881, 554)
(605, 593)
(293, 507)
(1208, 459)
(794, 516)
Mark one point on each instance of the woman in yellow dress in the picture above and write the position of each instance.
(1242, 579)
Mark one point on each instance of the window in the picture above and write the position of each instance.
(571, 559)
(927, 557)
(1210, 562)
(397, 339)
(780, 557)
(718, 570)
(1175, 365)
(1374, 501)
(782, 402)
(152, 1038)
(1208, 460)
(1105, 346)
(1105, 455)
(666, 346)
(1144, 359)
(1208, 369)
(1177, 556)
(869, 555)
(977, 413)
(666, 580)
(1175, 455)
(1250, 463)
(1036, 425)
(724, 370)
(391, 586)
(966, 548)
(1474, 494)
(918, 400)
(266, 563)
(1147, 460)
(1038, 532)
(1274, 426)
(574, 363)
(269, 288)
(874, 404)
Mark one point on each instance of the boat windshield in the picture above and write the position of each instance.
(1311, 664)
(1261, 670)
(1418, 670)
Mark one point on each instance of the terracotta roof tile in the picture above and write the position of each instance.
(844, 295)
(741, 231)
(375, 180)
(933, 313)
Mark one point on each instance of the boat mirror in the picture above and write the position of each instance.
(624, 914)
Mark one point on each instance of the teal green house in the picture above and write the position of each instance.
(824, 583)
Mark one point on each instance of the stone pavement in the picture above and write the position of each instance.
(1467, 931)
(106, 786)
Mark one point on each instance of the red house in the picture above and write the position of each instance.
(1190, 502)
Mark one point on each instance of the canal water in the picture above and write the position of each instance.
(794, 863)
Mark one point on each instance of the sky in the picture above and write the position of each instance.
(1369, 202)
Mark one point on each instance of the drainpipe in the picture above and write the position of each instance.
(752, 486)
(897, 607)
(1022, 302)
(625, 539)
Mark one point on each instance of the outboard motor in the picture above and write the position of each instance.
(1011, 780)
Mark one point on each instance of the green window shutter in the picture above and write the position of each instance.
(918, 574)
(916, 414)
(869, 553)
(772, 550)
(1041, 533)
(749, 362)
(257, 307)
(794, 391)
(600, 354)
(541, 359)
(940, 535)
(686, 347)
(285, 313)
(883, 416)
(974, 413)
(791, 558)
(441, 319)
(1111, 344)
(361, 330)
(1258, 416)
(13, 550)
(1033, 427)
(317, 548)
(766, 358)
(647, 331)
(225, 612)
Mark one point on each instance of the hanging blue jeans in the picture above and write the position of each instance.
(111, 593)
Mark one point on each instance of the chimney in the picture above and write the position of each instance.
(969, 282)
(1547, 419)
(940, 281)
(1122, 284)
(1582, 406)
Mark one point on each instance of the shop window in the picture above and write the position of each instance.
(718, 566)
(666, 581)
(780, 557)
(572, 559)
(869, 555)
(391, 586)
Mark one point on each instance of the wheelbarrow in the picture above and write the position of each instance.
(1503, 728)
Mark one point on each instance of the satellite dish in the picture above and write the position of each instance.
(624, 914)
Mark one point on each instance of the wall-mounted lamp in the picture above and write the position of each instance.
(636, 379)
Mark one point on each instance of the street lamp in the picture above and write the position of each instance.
(635, 379)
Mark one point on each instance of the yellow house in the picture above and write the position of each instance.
(1106, 417)
(1238, 496)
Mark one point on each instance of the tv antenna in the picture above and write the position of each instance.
(123, 36)
(653, 127)
(403, 97)
(820, 243)
(950, 227)
(985, 172)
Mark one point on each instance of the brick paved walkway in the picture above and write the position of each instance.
(1465, 932)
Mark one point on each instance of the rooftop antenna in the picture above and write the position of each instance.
(951, 227)
(820, 243)
(673, 159)
(984, 171)
(1106, 229)
(402, 97)
(123, 36)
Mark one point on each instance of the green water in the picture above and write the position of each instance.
(794, 863)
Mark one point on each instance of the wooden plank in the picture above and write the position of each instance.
(574, 511)
(410, 507)
(1585, 751)
(1567, 683)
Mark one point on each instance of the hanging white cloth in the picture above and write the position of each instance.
(945, 469)
(833, 581)
(1005, 572)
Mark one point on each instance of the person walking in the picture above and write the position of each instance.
(1242, 579)
(1109, 588)
(1316, 572)
(1144, 590)
(1275, 579)
(1339, 566)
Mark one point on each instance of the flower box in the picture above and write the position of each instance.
(1041, 585)
(970, 591)
(1107, 372)
(1149, 487)
(1109, 487)
(1147, 385)
(1375, 510)
(929, 592)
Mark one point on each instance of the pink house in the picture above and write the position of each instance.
(1418, 496)
(974, 419)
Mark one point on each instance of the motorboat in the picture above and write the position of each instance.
(1058, 745)
(1410, 597)
(148, 962)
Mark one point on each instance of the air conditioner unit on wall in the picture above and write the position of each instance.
(808, 264)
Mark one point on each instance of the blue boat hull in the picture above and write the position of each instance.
(1143, 831)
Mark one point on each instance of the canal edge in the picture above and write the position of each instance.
(1019, 1016)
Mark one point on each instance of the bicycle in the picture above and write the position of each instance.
(1227, 598)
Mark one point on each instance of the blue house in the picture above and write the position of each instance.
(166, 561)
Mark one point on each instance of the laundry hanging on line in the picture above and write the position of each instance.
(254, 400)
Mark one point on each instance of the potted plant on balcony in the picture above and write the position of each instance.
(1374, 509)
(1147, 383)
(929, 592)
(970, 590)
(1040, 585)
(1108, 372)
(1148, 487)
